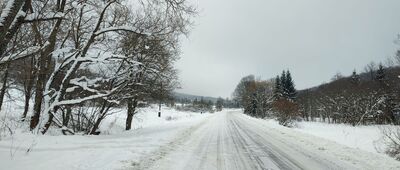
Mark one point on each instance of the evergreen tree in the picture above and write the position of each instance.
(380, 73)
(289, 86)
(219, 104)
(202, 102)
(278, 88)
(355, 78)
(210, 105)
(283, 88)
(195, 102)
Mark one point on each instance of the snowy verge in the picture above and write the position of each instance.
(320, 145)
(367, 138)
(117, 149)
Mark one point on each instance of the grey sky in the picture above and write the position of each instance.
(313, 38)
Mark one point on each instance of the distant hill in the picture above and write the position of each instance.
(392, 77)
(391, 72)
(181, 96)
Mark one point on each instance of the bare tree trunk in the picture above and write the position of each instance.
(28, 89)
(40, 83)
(9, 27)
(73, 122)
(132, 104)
(103, 111)
(49, 121)
(96, 126)
(67, 116)
(4, 86)
(26, 107)
(44, 64)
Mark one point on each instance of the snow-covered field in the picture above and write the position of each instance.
(366, 138)
(114, 149)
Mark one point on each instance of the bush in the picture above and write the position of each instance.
(170, 118)
(286, 112)
(391, 137)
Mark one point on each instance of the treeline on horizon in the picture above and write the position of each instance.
(368, 97)
(202, 104)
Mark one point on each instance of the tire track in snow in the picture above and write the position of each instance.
(202, 150)
(149, 160)
(231, 141)
(240, 142)
(269, 153)
(285, 149)
(220, 148)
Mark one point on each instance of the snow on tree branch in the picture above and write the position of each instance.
(123, 28)
(35, 17)
(23, 54)
(84, 83)
(6, 12)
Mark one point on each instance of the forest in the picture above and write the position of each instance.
(75, 61)
(368, 97)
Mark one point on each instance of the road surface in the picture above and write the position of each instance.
(233, 141)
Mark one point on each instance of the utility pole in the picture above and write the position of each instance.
(159, 105)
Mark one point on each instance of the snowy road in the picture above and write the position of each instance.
(231, 140)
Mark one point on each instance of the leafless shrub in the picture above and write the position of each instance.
(170, 118)
(287, 112)
(391, 137)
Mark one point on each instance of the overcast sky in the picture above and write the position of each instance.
(314, 39)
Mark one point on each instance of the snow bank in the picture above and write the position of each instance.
(366, 138)
(146, 117)
(114, 149)
(328, 147)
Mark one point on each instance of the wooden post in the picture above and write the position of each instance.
(161, 96)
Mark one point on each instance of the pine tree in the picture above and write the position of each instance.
(289, 86)
(195, 102)
(355, 78)
(278, 88)
(219, 104)
(283, 88)
(380, 73)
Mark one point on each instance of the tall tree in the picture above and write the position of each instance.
(278, 88)
(283, 84)
(219, 104)
(380, 73)
(11, 19)
(355, 78)
(289, 86)
(44, 61)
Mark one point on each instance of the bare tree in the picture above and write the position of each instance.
(370, 69)
(75, 55)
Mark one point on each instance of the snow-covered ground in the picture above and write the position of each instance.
(367, 138)
(188, 140)
(232, 140)
(114, 149)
